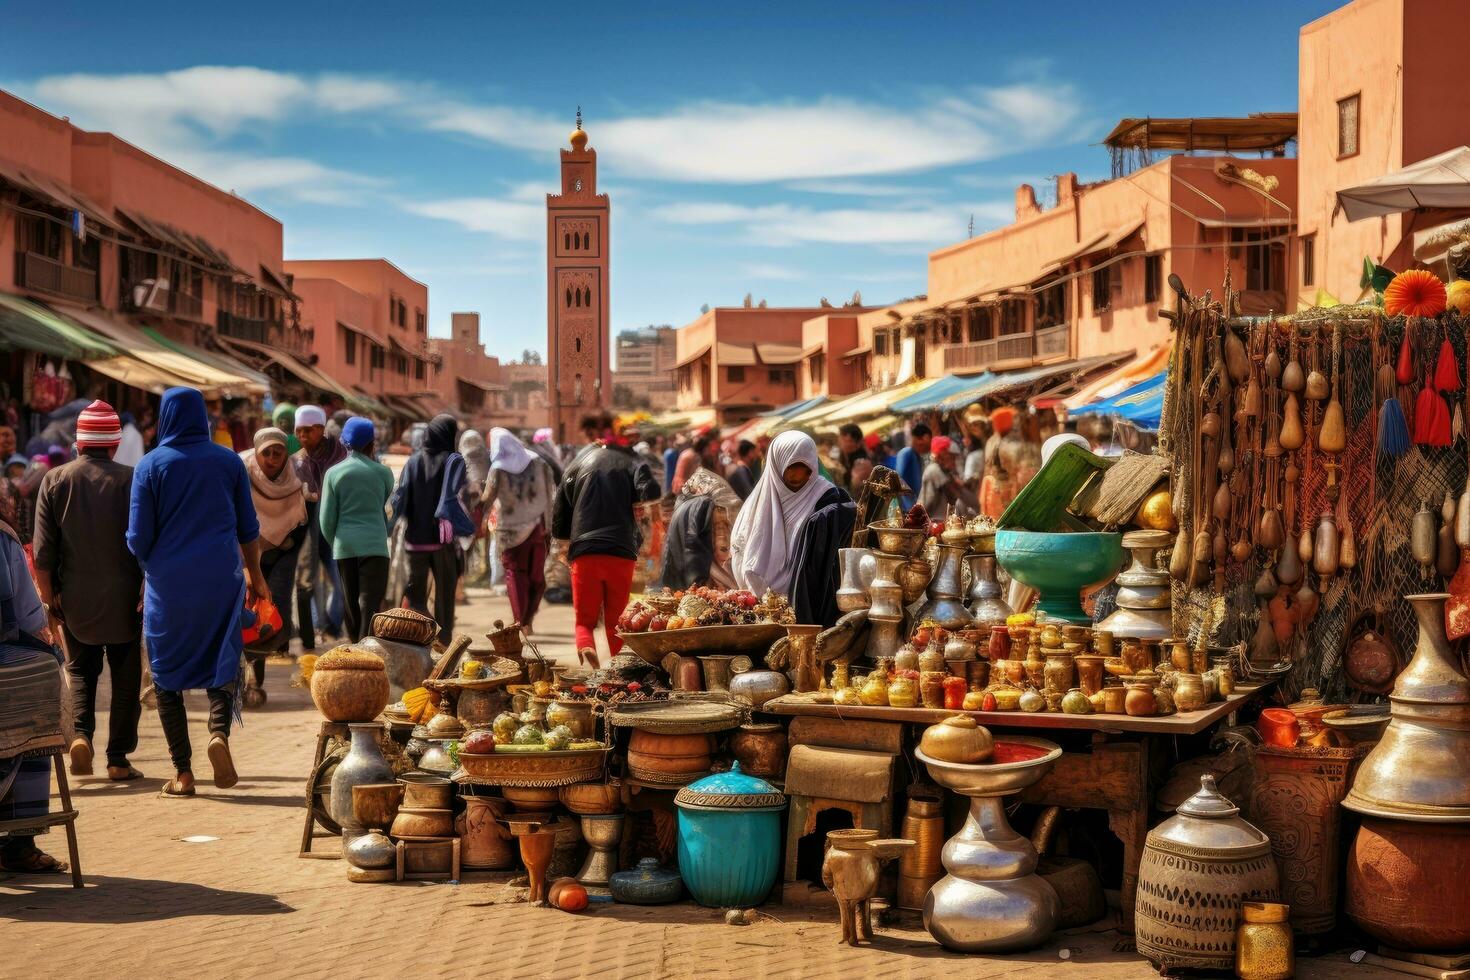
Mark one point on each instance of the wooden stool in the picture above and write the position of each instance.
(316, 810)
(822, 778)
(66, 816)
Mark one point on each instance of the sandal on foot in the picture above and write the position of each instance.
(33, 862)
(172, 789)
(123, 774)
(81, 757)
(224, 766)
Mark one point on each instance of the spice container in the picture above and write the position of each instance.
(931, 688)
(1089, 672)
(1264, 947)
(903, 690)
(955, 689)
(1057, 674)
(1000, 643)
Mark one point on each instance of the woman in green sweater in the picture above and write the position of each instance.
(354, 520)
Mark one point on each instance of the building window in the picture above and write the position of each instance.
(735, 375)
(1347, 125)
(880, 343)
(418, 370)
(1265, 257)
(778, 376)
(818, 368)
(1051, 306)
(420, 321)
(349, 346)
(378, 358)
(1104, 282)
(1309, 260)
(1153, 277)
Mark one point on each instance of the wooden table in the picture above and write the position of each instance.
(1114, 775)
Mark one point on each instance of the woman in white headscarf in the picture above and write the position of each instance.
(520, 482)
(788, 532)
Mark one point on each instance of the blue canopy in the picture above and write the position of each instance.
(932, 395)
(1143, 404)
(792, 409)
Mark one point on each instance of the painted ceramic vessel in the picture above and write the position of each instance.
(730, 838)
(1060, 566)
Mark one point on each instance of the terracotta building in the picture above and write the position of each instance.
(161, 267)
(644, 374)
(370, 323)
(1379, 89)
(485, 391)
(736, 362)
(577, 337)
(833, 362)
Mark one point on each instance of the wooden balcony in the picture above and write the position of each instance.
(1010, 351)
(36, 271)
(245, 327)
(185, 306)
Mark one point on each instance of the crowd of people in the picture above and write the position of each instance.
(156, 551)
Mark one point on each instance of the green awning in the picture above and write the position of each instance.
(25, 325)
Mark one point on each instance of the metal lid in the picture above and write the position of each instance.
(732, 790)
(1208, 820)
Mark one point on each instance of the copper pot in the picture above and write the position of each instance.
(483, 842)
(760, 748)
(592, 798)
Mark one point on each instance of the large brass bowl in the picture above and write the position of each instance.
(655, 646)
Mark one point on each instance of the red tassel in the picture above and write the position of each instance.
(1406, 360)
(1437, 429)
(1446, 371)
(1424, 413)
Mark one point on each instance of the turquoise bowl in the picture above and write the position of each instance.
(1059, 565)
(730, 838)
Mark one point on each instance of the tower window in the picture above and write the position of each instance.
(579, 345)
(566, 241)
(569, 296)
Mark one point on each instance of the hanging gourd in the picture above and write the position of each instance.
(1414, 292)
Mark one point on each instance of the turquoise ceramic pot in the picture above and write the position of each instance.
(730, 838)
(647, 884)
(1059, 565)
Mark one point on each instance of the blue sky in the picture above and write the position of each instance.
(790, 150)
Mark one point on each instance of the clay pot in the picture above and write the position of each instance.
(1139, 701)
(427, 792)
(592, 798)
(1405, 884)
(413, 822)
(349, 695)
(760, 748)
(576, 715)
(484, 843)
(958, 739)
(671, 759)
(375, 805)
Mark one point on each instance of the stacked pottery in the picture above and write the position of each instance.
(1143, 590)
(885, 614)
(1406, 873)
(364, 764)
(1198, 867)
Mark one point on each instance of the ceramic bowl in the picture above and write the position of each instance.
(531, 798)
(1060, 565)
(905, 541)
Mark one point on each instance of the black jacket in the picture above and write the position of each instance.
(818, 573)
(594, 504)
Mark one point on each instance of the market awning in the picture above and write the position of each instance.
(935, 393)
(779, 354)
(1441, 181)
(1143, 365)
(191, 245)
(862, 407)
(857, 352)
(240, 379)
(693, 356)
(1226, 134)
(791, 409)
(734, 355)
(1107, 242)
(136, 373)
(998, 384)
(1142, 404)
(1280, 221)
(173, 362)
(26, 325)
(304, 372)
(44, 188)
(277, 281)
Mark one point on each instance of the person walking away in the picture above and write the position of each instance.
(910, 463)
(193, 529)
(427, 500)
(742, 475)
(786, 536)
(354, 521)
(476, 471)
(319, 453)
(942, 488)
(279, 497)
(91, 585)
(521, 483)
(30, 710)
(596, 530)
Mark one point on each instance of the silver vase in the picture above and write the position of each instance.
(852, 593)
(987, 602)
(363, 765)
(946, 606)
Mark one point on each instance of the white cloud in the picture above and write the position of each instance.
(509, 219)
(853, 188)
(784, 224)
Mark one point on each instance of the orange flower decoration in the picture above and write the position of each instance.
(1414, 292)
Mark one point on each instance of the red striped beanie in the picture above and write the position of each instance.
(98, 426)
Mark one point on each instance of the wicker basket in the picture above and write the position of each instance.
(404, 625)
(534, 769)
(508, 641)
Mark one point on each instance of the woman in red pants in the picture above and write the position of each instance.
(595, 527)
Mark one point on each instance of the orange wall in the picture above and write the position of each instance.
(326, 303)
(38, 142)
(378, 281)
(737, 325)
(836, 334)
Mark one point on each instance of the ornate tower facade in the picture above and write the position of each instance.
(578, 340)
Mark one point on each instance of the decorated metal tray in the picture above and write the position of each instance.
(653, 646)
(678, 715)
